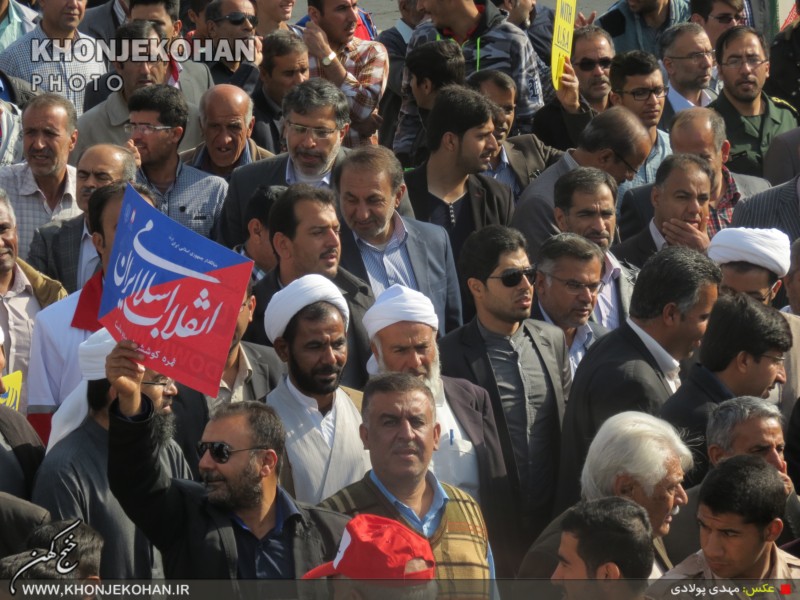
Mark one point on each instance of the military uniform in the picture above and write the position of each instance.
(785, 567)
(750, 137)
(784, 66)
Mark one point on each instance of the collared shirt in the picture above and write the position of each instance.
(30, 204)
(88, 258)
(258, 273)
(271, 557)
(367, 66)
(584, 337)
(293, 177)
(720, 217)
(237, 393)
(19, 20)
(18, 309)
(54, 67)
(606, 312)
(404, 30)
(647, 172)
(428, 523)
(680, 102)
(668, 365)
(119, 12)
(194, 199)
(203, 161)
(658, 238)
(390, 264)
(325, 424)
(504, 174)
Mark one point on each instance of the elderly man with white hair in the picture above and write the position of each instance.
(636, 456)
(402, 327)
(307, 324)
(752, 262)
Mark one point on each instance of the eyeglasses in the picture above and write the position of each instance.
(737, 62)
(775, 359)
(642, 94)
(588, 64)
(144, 128)
(628, 165)
(726, 19)
(237, 18)
(513, 277)
(220, 451)
(697, 57)
(318, 133)
(576, 287)
(166, 382)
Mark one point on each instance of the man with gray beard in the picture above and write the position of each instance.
(402, 327)
(72, 482)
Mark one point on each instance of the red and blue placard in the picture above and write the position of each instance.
(175, 293)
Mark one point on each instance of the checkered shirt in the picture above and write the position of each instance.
(720, 217)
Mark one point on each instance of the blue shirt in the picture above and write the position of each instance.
(504, 174)
(429, 522)
(647, 172)
(272, 556)
(390, 264)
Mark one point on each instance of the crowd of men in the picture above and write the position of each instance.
(503, 329)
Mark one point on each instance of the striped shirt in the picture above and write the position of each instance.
(36, 59)
(390, 264)
(367, 66)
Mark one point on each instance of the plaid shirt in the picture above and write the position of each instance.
(720, 217)
(30, 205)
(62, 75)
(367, 66)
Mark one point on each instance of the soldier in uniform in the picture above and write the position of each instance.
(752, 119)
(784, 80)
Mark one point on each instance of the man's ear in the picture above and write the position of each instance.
(624, 485)
(282, 245)
(614, 98)
(281, 349)
(671, 315)
(363, 433)
(725, 151)
(314, 14)
(561, 218)
(773, 530)
(715, 455)
(608, 570)
(98, 241)
(399, 195)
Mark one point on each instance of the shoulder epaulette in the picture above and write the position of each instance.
(783, 104)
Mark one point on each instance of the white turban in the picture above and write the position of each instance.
(767, 248)
(92, 358)
(399, 303)
(302, 292)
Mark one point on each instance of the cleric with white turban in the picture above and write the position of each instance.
(302, 292)
(769, 249)
(92, 358)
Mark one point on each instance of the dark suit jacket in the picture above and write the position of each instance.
(617, 374)
(56, 249)
(557, 128)
(636, 208)
(688, 410)
(194, 80)
(472, 408)
(24, 442)
(434, 268)
(782, 160)
(359, 298)
(636, 250)
(463, 354)
(666, 116)
(246, 179)
(528, 157)
(492, 203)
(267, 130)
(776, 207)
(191, 409)
(597, 330)
(100, 22)
(18, 519)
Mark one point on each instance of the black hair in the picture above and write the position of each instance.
(734, 33)
(283, 215)
(704, 7)
(316, 93)
(456, 110)
(88, 549)
(482, 250)
(279, 43)
(171, 7)
(371, 159)
(586, 180)
(441, 62)
(498, 78)
(630, 64)
(266, 428)
(165, 100)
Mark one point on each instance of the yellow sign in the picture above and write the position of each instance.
(13, 383)
(562, 38)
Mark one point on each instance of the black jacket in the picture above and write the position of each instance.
(267, 130)
(196, 539)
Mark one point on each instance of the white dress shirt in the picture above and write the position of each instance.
(668, 365)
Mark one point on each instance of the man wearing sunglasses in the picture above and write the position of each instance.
(584, 90)
(524, 366)
(717, 16)
(636, 24)
(752, 119)
(229, 22)
(636, 366)
(239, 523)
(568, 282)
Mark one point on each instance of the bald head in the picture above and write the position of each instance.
(618, 141)
(226, 117)
(101, 165)
(701, 131)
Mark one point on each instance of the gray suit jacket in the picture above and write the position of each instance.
(431, 259)
(105, 124)
(534, 213)
(18, 519)
(56, 249)
(636, 208)
(776, 207)
(100, 22)
(782, 160)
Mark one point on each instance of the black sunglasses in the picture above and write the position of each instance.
(587, 64)
(237, 18)
(220, 451)
(513, 277)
